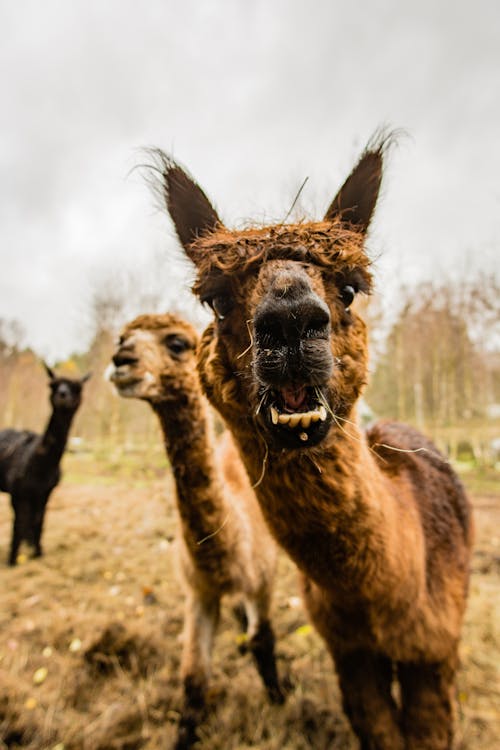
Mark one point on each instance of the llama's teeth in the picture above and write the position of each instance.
(294, 419)
(284, 418)
(274, 415)
(305, 420)
(314, 416)
(322, 413)
(304, 436)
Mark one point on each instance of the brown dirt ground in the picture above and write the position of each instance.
(90, 636)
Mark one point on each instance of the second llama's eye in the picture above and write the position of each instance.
(347, 295)
(177, 344)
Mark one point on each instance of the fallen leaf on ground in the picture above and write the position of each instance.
(40, 675)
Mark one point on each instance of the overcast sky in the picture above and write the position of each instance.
(252, 96)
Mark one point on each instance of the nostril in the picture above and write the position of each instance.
(314, 318)
(268, 330)
(318, 325)
(123, 357)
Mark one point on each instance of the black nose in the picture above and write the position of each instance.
(291, 317)
(292, 333)
(124, 356)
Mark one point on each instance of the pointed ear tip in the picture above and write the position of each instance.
(383, 140)
(160, 166)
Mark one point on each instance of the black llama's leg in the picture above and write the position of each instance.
(20, 526)
(365, 681)
(15, 542)
(201, 619)
(37, 524)
(427, 696)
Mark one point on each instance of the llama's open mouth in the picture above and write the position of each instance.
(297, 415)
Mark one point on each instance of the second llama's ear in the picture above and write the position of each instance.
(355, 202)
(49, 371)
(191, 211)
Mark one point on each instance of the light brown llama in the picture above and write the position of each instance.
(378, 523)
(225, 547)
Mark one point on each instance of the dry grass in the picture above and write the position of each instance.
(97, 622)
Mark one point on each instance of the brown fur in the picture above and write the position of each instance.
(224, 545)
(378, 524)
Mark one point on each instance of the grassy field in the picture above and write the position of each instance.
(90, 634)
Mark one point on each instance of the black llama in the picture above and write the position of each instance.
(29, 463)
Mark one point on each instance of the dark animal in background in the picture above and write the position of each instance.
(378, 523)
(29, 463)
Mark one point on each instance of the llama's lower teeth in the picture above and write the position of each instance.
(296, 419)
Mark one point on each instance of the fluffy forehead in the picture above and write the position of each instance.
(167, 323)
(326, 244)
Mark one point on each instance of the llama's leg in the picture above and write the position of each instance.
(427, 694)
(19, 527)
(15, 542)
(202, 616)
(365, 681)
(261, 643)
(37, 525)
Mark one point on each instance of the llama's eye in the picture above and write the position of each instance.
(347, 296)
(221, 304)
(176, 344)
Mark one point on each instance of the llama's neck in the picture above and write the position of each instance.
(334, 512)
(56, 433)
(188, 441)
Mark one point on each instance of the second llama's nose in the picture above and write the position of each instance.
(125, 355)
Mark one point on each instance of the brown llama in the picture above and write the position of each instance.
(378, 523)
(225, 547)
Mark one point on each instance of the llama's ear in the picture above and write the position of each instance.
(191, 211)
(85, 378)
(355, 202)
(49, 371)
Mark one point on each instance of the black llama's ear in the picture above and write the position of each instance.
(191, 211)
(85, 378)
(49, 371)
(355, 202)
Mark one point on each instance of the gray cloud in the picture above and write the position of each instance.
(252, 97)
